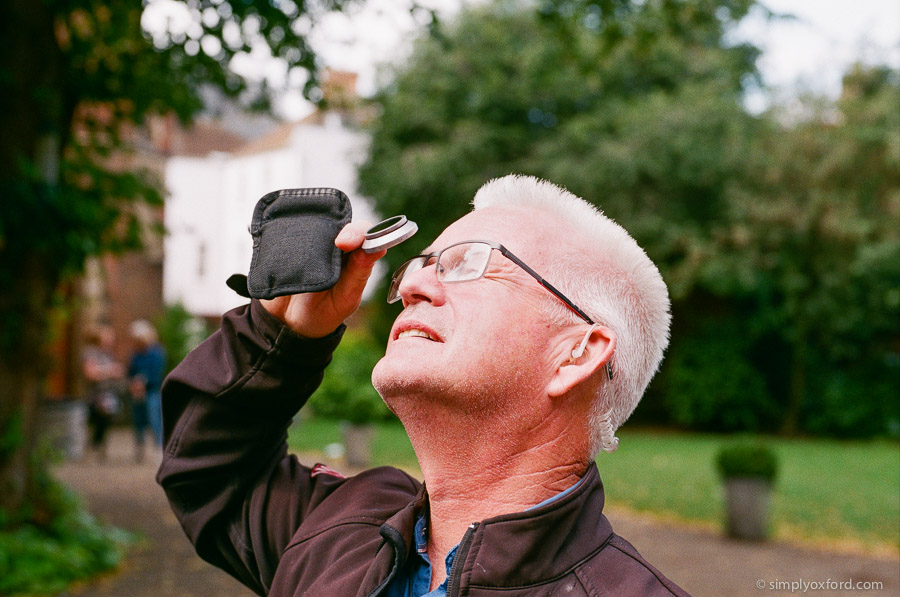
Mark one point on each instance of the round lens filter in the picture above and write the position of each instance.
(388, 233)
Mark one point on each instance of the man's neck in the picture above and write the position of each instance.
(482, 474)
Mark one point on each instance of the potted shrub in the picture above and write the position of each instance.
(748, 470)
(347, 395)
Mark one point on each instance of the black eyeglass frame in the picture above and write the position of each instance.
(503, 251)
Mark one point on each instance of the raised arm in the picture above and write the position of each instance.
(226, 410)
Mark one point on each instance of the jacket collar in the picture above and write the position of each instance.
(396, 537)
(527, 548)
(402, 524)
(524, 548)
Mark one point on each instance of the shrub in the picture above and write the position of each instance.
(711, 384)
(853, 401)
(346, 392)
(70, 546)
(747, 459)
(179, 333)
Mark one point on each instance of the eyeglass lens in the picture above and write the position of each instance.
(461, 262)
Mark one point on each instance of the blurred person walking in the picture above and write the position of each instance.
(104, 377)
(145, 372)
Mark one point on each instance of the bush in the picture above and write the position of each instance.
(346, 392)
(47, 558)
(711, 384)
(179, 333)
(853, 401)
(747, 459)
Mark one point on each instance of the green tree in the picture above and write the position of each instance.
(814, 244)
(76, 77)
(636, 105)
(633, 93)
(179, 333)
(777, 236)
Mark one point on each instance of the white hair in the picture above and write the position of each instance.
(143, 331)
(603, 271)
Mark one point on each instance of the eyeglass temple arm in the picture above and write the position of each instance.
(572, 306)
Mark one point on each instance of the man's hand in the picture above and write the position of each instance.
(138, 388)
(317, 314)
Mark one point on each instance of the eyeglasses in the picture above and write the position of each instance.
(467, 261)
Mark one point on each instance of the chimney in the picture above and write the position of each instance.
(339, 90)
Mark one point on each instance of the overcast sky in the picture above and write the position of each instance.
(813, 51)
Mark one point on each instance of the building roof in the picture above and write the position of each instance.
(276, 139)
(205, 137)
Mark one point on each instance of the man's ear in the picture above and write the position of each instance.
(590, 352)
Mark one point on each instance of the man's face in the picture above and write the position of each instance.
(481, 341)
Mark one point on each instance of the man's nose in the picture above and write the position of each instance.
(422, 285)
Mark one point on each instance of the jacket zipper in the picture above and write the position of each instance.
(461, 553)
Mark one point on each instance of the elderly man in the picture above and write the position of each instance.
(530, 329)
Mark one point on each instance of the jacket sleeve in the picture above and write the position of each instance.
(226, 408)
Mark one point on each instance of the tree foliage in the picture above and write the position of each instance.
(78, 77)
(777, 236)
(632, 104)
(77, 80)
(346, 393)
(813, 242)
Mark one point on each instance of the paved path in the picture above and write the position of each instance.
(163, 564)
(704, 563)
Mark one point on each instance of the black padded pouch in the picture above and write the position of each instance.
(293, 243)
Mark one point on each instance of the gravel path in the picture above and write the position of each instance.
(125, 494)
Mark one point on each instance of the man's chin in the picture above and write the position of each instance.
(395, 376)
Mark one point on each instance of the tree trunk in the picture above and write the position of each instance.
(25, 314)
(32, 104)
(17, 410)
(33, 124)
(790, 424)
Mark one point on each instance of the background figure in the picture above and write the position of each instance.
(146, 371)
(103, 375)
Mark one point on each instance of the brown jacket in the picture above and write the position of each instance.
(284, 529)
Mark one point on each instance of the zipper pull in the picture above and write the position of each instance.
(461, 552)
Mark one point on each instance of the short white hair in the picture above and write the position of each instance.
(143, 331)
(603, 271)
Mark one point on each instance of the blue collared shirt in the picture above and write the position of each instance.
(415, 579)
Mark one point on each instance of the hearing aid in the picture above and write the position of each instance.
(579, 350)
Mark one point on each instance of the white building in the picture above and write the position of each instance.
(211, 201)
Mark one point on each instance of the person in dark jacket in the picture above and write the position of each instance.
(146, 371)
(530, 329)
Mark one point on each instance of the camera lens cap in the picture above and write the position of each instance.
(388, 233)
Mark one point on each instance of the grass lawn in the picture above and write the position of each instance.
(391, 445)
(827, 490)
